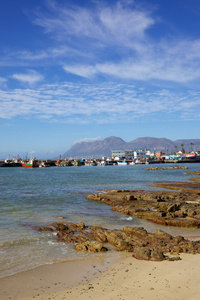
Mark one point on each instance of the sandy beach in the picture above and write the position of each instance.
(105, 277)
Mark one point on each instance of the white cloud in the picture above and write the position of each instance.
(118, 37)
(100, 103)
(32, 152)
(113, 40)
(125, 24)
(81, 70)
(87, 140)
(103, 23)
(3, 81)
(30, 78)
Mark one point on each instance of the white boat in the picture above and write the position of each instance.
(122, 163)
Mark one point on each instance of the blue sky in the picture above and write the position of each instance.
(83, 70)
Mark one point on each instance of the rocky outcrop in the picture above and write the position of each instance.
(142, 244)
(165, 168)
(194, 172)
(165, 208)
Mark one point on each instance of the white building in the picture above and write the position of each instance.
(130, 154)
(122, 154)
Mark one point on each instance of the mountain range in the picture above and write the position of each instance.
(99, 148)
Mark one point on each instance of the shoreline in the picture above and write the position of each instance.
(56, 280)
(122, 278)
(82, 278)
(105, 276)
(55, 277)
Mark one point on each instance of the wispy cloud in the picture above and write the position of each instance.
(3, 82)
(110, 41)
(81, 70)
(30, 77)
(87, 140)
(103, 23)
(118, 42)
(100, 103)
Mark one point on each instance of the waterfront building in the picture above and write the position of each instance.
(130, 154)
(122, 154)
(140, 154)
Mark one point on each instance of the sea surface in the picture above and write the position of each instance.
(36, 196)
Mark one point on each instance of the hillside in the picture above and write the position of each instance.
(101, 148)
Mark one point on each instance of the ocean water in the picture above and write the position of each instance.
(36, 196)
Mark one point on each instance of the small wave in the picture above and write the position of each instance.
(127, 218)
(19, 242)
(52, 243)
(29, 195)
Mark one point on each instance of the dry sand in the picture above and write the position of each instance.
(126, 278)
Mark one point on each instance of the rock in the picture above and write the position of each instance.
(80, 225)
(122, 245)
(92, 246)
(157, 255)
(178, 239)
(186, 222)
(129, 197)
(145, 253)
(80, 247)
(144, 245)
(179, 214)
(112, 235)
(142, 253)
(163, 235)
(135, 231)
(60, 226)
(43, 228)
(165, 208)
(176, 250)
(98, 234)
(191, 212)
(173, 207)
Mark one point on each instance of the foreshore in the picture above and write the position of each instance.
(115, 277)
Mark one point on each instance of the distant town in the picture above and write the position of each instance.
(118, 157)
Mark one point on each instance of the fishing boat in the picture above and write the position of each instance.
(122, 163)
(29, 164)
(132, 163)
(44, 164)
(58, 163)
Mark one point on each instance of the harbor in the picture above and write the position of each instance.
(104, 161)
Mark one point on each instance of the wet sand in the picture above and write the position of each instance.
(108, 278)
(55, 277)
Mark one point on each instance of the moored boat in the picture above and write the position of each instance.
(44, 164)
(58, 163)
(122, 163)
(29, 164)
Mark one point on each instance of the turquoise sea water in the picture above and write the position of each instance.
(35, 196)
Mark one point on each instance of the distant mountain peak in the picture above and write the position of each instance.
(98, 148)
